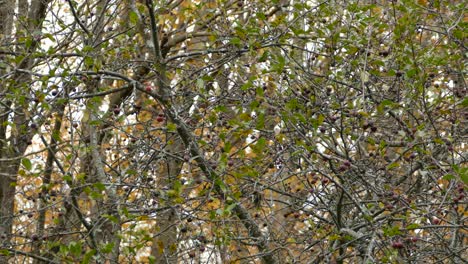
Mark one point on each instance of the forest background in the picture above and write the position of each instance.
(231, 131)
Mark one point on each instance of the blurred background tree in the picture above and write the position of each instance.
(276, 131)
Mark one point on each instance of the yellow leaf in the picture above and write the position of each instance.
(160, 246)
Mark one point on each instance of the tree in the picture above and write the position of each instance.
(232, 131)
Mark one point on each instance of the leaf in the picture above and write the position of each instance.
(212, 214)
(221, 185)
(260, 121)
(87, 48)
(246, 86)
(227, 146)
(464, 175)
(96, 122)
(75, 248)
(230, 207)
(200, 84)
(133, 17)
(26, 163)
(99, 186)
(393, 165)
(259, 147)
(173, 247)
(364, 76)
(261, 16)
(171, 127)
(88, 61)
(67, 178)
(392, 231)
(107, 248)
(279, 66)
(387, 102)
(462, 172)
(411, 73)
(264, 56)
(412, 226)
(29, 42)
(448, 177)
(465, 102)
(89, 254)
(235, 41)
(334, 237)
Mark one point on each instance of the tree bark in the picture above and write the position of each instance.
(13, 146)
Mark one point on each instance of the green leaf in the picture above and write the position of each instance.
(26, 163)
(227, 146)
(260, 121)
(49, 36)
(464, 176)
(382, 144)
(133, 17)
(172, 194)
(222, 161)
(221, 185)
(212, 214)
(236, 41)
(67, 178)
(75, 248)
(96, 195)
(448, 177)
(246, 86)
(259, 147)
(177, 186)
(87, 48)
(387, 102)
(88, 256)
(28, 43)
(459, 33)
(131, 172)
(292, 104)
(465, 102)
(412, 226)
(411, 73)
(264, 56)
(462, 172)
(88, 61)
(99, 186)
(230, 207)
(259, 91)
(279, 66)
(112, 218)
(393, 165)
(107, 248)
(56, 135)
(95, 122)
(392, 231)
(260, 16)
(171, 127)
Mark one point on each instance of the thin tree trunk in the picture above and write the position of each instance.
(41, 204)
(14, 146)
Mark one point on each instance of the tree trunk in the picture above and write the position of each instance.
(13, 146)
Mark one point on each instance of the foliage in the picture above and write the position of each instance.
(233, 131)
